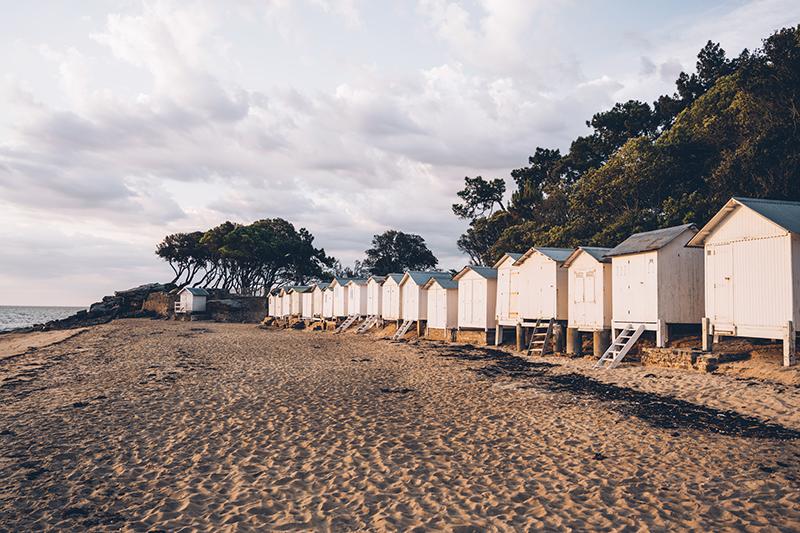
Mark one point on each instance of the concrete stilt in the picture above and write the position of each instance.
(498, 334)
(574, 344)
(708, 337)
(519, 337)
(601, 340)
(790, 345)
(559, 338)
(662, 337)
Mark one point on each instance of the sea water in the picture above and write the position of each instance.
(13, 316)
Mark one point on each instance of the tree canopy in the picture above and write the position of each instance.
(731, 128)
(246, 259)
(395, 251)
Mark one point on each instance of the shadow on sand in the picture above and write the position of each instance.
(657, 410)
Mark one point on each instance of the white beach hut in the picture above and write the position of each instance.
(340, 294)
(414, 305)
(375, 295)
(589, 273)
(327, 302)
(191, 300)
(442, 308)
(656, 281)
(477, 298)
(286, 301)
(752, 272)
(391, 304)
(507, 309)
(296, 296)
(272, 304)
(543, 297)
(356, 297)
(543, 283)
(317, 299)
(302, 301)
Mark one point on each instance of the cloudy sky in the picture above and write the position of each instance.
(122, 121)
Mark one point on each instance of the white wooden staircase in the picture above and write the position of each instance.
(368, 324)
(403, 329)
(620, 346)
(541, 337)
(346, 324)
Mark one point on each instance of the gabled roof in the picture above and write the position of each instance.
(195, 291)
(378, 279)
(339, 280)
(321, 285)
(514, 257)
(648, 241)
(356, 281)
(395, 276)
(300, 288)
(782, 213)
(559, 255)
(442, 282)
(420, 278)
(485, 272)
(598, 254)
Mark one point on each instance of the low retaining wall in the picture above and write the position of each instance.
(477, 337)
(686, 358)
(439, 334)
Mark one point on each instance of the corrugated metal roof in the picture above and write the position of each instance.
(486, 272)
(420, 278)
(559, 255)
(780, 212)
(648, 241)
(395, 276)
(196, 291)
(514, 257)
(442, 282)
(599, 254)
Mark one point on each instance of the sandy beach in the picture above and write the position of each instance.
(140, 425)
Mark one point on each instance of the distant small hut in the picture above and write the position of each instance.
(191, 300)
(752, 272)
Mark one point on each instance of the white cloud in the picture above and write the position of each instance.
(173, 116)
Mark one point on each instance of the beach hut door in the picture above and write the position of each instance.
(513, 293)
(723, 285)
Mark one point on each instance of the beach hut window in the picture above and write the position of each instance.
(588, 288)
(579, 282)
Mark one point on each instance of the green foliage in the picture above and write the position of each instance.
(479, 196)
(395, 251)
(247, 259)
(731, 129)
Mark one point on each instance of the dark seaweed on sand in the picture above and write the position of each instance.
(657, 410)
